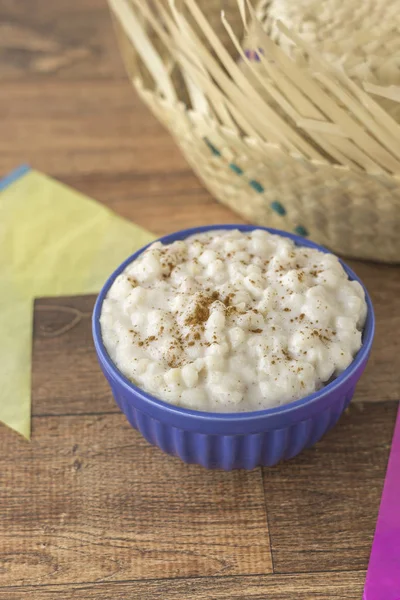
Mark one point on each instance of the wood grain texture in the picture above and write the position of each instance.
(100, 138)
(322, 506)
(69, 110)
(63, 40)
(381, 380)
(64, 360)
(83, 126)
(89, 509)
(100, 492)
(89, 499)
(69, 40)
(317, 586)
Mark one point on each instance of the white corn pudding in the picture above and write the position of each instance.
(232, 321)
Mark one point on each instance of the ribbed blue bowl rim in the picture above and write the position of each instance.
(239, 422)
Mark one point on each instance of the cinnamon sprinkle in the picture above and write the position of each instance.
(201, 310)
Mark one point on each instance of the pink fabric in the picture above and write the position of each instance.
(383, 575)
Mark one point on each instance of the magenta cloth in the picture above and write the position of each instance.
(383, 575)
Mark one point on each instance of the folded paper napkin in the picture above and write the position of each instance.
(53, 241)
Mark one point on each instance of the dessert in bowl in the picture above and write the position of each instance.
(233, 346)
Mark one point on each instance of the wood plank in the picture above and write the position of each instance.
(66, 377)
(381, 379)
(89, 499)
(74, 40)
(70, 127)
(102, 140)
(332, 513)
(322, 506)
(63, 40)
(319, 586)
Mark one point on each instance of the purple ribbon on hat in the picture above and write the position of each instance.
(254, 54)
(383, 575)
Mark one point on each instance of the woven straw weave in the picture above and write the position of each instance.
(360, 36)
(259, 140)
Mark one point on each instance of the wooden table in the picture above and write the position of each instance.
(88, 509)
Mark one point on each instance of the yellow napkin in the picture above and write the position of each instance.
(53, 241)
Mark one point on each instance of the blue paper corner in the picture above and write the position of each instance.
(13, 176)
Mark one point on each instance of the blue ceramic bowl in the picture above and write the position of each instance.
(233, 440)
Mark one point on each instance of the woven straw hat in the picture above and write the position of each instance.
(282, 136)
(361, 37)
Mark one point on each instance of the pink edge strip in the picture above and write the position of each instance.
(383, 575)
